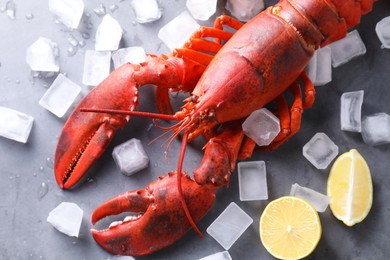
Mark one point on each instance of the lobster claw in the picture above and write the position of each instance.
(161, 220)
(85, 136)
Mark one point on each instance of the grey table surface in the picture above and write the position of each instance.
(24, 232)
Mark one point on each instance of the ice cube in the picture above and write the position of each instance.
(350, 111)
(108, 34)
(262, 126)
(146, 11)
(60, 96)
(376, 129)
(66, 218)
(96, 67)
(383, 31)
(175, 33)
(224, 255)
(42, 55)
(15, 125)
(252, 178)
(229, 226)
(318, 200)
(202, 9)
(133, 55)
(244, 10)
(346, 49)
(67, 12)
(130, 157)
(320, 67)
(320, 150)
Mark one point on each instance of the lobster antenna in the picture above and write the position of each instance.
(179, 173)
(131, 113)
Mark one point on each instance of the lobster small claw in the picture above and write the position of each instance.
(161, 219)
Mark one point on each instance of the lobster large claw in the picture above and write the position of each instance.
(161, 220)
(85, 136)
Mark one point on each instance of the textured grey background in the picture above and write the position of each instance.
(24, 232)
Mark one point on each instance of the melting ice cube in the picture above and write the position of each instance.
(146, 11)
(320, 67)
(15, 125)
(376, 129)
(348, 48)
(60, 96)
(175, 33)
(130, 157)
(229, 226)
(244, 10)
(67, 12)
(66, 218)
(319, 201)
(224, 255)
(96, 67)
(42, 55)
(320, 151)
(350, 111)
(383, 31)
(108, 34)
(252, 178)
(133, 55)
(202, 9)
(262, 126)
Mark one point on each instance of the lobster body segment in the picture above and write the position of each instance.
(227, 82)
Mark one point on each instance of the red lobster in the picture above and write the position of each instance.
(229, 76)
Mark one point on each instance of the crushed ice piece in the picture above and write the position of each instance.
(244, 10)
(15, 125)
(108, 34)
(66, 218)
(320, 67)
(318, 200)
(146, 11)
(96, 67)
(229, 226)
(252, 179)
(42, 55)
(130, 156)
(100, 10)
(60, 96)
(29, 16)
(224, 255)
(124, 258)
(350, 111)
(67, 12)
(261, 126)
(175, 33)
(320, 150)
(134, 55)
(348, 48)
(376, 129)
(383, 31)
(202, 9)
(113, 8)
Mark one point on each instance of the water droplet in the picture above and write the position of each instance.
(113, 8)
(72, 51)
(29, 16)
(35, 174)
(85, 35)
(11, 177)
(43, 190)
(41, 168)
(17, 81)
(49, 162)
(74, 243)
(100, 10)
(82, 43)
(72, 40)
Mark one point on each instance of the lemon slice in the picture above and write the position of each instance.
(290, 228)
(350, 188)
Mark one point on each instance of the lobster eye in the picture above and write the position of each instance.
(194, 98)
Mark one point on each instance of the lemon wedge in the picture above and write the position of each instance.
(350, 188)
(290, 228)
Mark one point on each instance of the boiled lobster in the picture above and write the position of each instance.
(228, 76)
